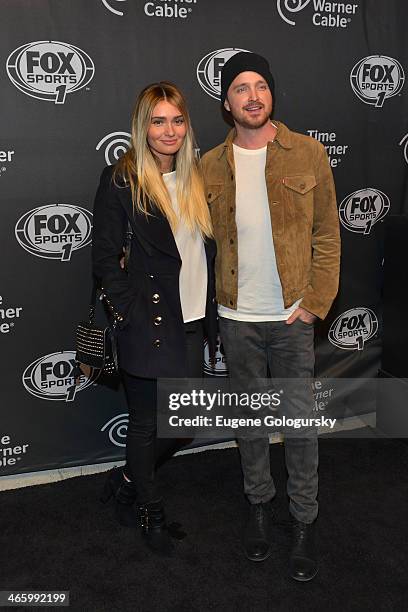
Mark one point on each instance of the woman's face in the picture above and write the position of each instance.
(167, 131)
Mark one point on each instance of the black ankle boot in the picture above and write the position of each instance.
(257, 535)
(125, 495)
(303, 560)
(156, 534)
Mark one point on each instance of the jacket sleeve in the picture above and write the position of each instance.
(325, 241)
(109, 231)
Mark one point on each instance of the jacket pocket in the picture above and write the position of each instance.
(299, 198)
(216, 199)
(213, 193)
(300, 184)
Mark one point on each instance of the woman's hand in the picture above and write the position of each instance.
(122, 260)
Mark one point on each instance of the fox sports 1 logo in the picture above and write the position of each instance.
(209, 70)
(49, 70)
(52, 377)
(376, 78)
(352, 329)
(54, 231)
(362, 209)
(218, 367)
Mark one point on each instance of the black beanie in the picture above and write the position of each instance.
(241, 62)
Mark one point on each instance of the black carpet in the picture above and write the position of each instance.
(58, 536)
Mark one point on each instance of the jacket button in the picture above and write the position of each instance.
(231, 303)
(231, 241)
(213, 300)
(209, 195)
(302, 185)
(155, 298)
(232, 177)
(231, 209)
(158, 320)
(232, 271)
(157, 343)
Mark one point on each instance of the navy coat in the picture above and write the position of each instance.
(151, 337)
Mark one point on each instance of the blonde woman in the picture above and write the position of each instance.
(166, 294)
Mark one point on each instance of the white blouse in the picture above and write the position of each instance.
(193, 273)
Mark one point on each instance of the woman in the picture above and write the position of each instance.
(164, 300)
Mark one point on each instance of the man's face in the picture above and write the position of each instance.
(249, 100)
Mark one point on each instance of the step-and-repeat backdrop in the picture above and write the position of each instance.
(69, 75)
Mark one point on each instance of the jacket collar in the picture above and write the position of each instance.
(283, 137)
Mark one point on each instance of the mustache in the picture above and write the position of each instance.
(253, 103)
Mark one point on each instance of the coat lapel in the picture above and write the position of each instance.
(155, 228)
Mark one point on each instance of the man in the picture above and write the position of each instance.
(273, 207)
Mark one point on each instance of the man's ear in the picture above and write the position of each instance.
(227, 106)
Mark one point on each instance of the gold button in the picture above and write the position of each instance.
(158, 320)
(155, 298)
(157, 343)
(302, 185)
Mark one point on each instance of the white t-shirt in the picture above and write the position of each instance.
(259, 287)
(193, 273)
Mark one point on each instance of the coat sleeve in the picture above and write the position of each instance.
(109, 231)
(325, 241)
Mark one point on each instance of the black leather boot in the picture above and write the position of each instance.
(156, 534)
(125, 495)
(303, 560)
(258, 532)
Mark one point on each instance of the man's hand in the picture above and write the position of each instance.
(303, 314)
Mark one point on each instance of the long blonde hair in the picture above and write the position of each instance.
(139, 168)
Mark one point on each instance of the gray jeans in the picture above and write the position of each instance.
(288, 351)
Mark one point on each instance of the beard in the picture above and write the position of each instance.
(256, 123)
(252, 123)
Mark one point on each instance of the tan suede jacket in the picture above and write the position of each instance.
(304, 218)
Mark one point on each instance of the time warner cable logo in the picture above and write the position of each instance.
(52, 377)
(376, 78)
(49, 70)
(111, 9)
(54, 231)
(362, 209)
(116, 144)
(326, 14)
(404, 142)
(117, 429)
(353, 328)
(209, 70)
(169, 9)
